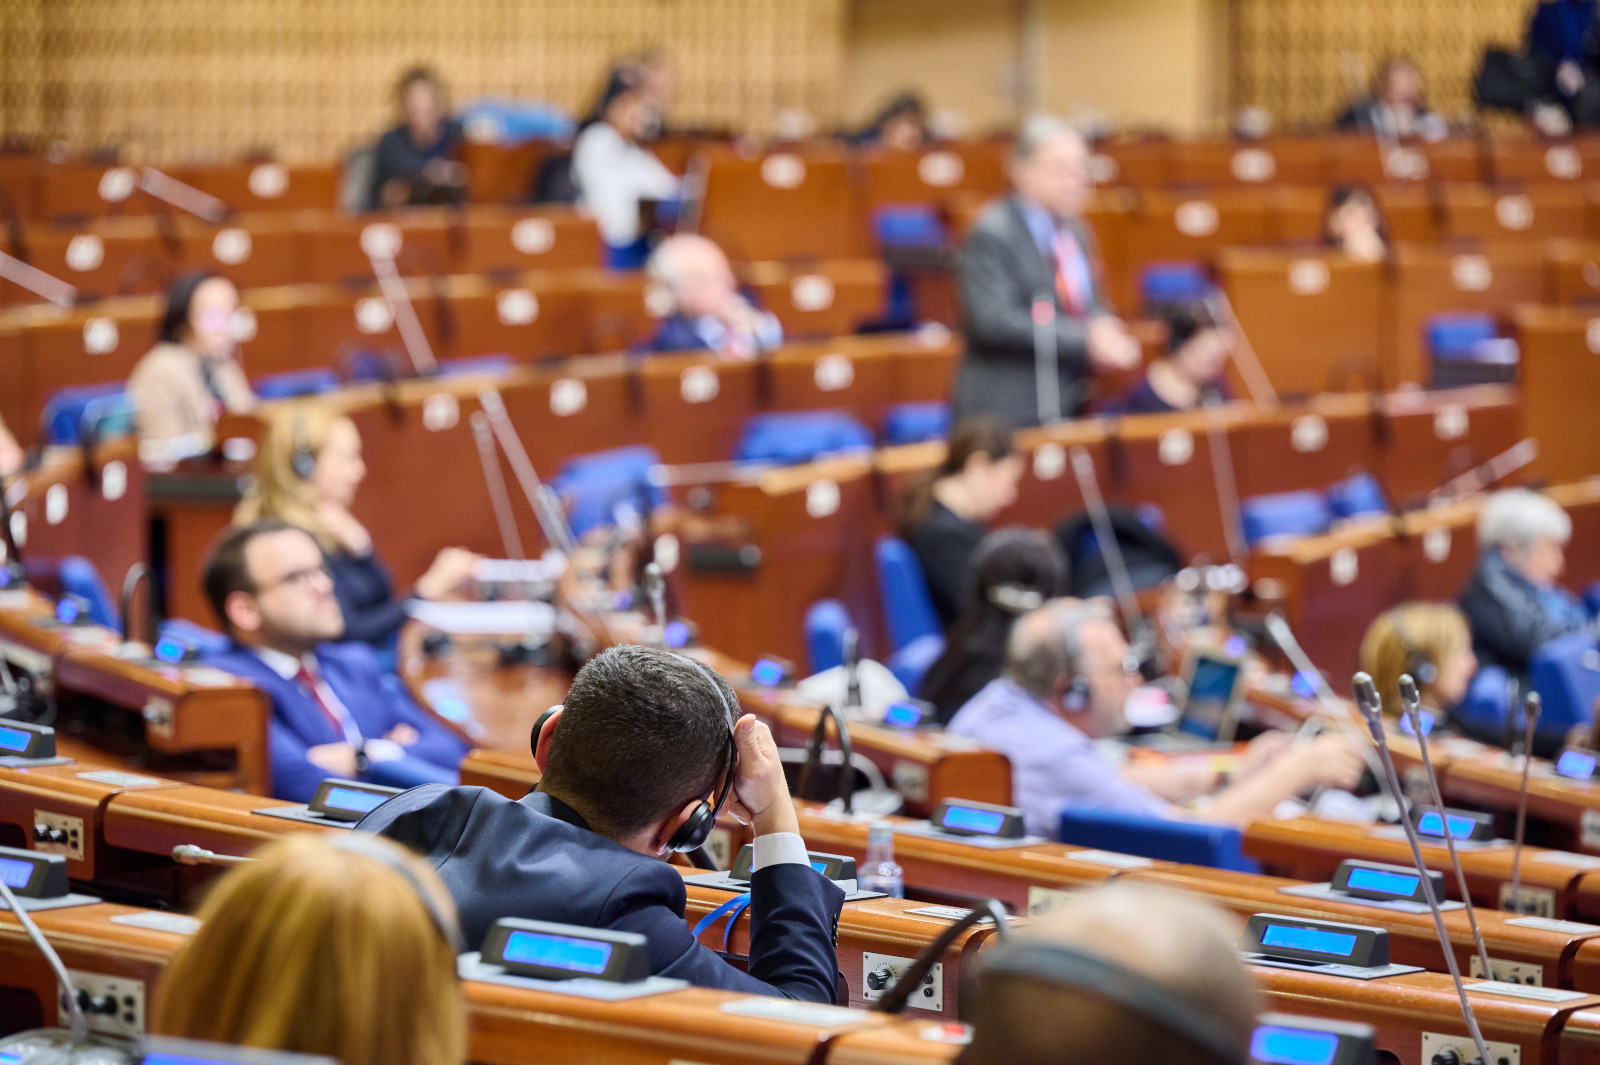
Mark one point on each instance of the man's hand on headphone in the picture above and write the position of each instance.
(760, 792)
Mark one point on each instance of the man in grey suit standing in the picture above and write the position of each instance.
(1030, 255)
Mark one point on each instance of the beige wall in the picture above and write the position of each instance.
(1141, 62)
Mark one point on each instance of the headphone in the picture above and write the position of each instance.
(1154, 1003)
(1420, 665)
(694, 832)
(364, 844)
(1075, 700)
(303, 459)
(1015, 598)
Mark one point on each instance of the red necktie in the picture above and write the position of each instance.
(1071, 282)
(310, 682)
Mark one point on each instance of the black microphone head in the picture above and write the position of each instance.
(852, 644)
(652, 578)
(1531, 705)
(1367, 696)
(1410, 698)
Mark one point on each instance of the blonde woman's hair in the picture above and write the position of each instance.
(1403, 635)
(279, 490)
(321, 950)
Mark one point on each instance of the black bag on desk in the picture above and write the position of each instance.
(1150, 558)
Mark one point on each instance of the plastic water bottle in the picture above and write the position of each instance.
(881, 873)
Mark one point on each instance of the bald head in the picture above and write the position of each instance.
(1067, 639)
(1050, 166)
(696, 272)
(1185, 946)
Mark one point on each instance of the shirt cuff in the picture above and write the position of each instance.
(779, 848)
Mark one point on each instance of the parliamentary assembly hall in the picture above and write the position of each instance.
(799, 532)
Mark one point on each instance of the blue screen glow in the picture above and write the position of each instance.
(168, 649)
(1293, 1046)
(675, 634)
(14, 739)
(1305, 684)
(1460, 827)
(821, 867)
(1427, 724)
(1321, 941)
(903, 715)
(1579, 765)
(181, 1059)
(15, 872)
(558, 952)
(969, 820)
(767, 673)
(1397, 884)
(11, 1057)
(67, 611)
(351, 799)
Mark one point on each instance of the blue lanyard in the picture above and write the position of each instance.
(731, 909)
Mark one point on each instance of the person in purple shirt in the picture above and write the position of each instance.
(1190, 374)
(1068, 673)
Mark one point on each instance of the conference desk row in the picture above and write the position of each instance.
(149, 817)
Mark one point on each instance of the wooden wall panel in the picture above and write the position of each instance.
(181, 80)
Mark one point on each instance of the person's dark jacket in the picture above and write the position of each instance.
(943, 544)
(1002, 271)
(537, 858)
(397, 157)
(1508, 615)
(372, 614)
(1563, 30)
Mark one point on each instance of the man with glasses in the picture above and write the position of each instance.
(336, 712)
(1067, 677)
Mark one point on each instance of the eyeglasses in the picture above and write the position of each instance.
(300, 578)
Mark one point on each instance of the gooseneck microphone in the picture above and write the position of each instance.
(852, 668)
(1139, 633)
(189, 854)
(1411, 703)
(655, 586)
(895, 999)
(1372, 710)
(1046, 371)
(1531, 707)
(495, 481)
(12, 574)
(813, 763)
(69, 993)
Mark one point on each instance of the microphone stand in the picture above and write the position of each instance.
(139, 573)
(1532, 706)
(540, 498)
(13, 574)
(1116, 566)
(895, 999)
(405, 315)
(69, 994)
(1244, 356)
(655, 586)
(813, 762)
(184, 197)
(483, 436)
(1411, 702)
(36, 281)
(1372, 711)
(1046, 370)
(852, 669)
(1224, 478)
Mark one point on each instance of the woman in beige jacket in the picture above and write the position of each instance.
(184, 384)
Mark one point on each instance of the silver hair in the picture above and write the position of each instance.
(1045, 646)
(1036, 131)
(1521, 517)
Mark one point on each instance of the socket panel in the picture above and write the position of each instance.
(128, 1020)
(72, 826)
(931, 995)
(1499, 1053)
(1535, 902)
(1510, 972)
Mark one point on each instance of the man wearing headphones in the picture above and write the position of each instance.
(1124, 973)
(647, 749)
(1068, 673)
(708, 311)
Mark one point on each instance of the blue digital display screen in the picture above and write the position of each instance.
(15, 872)
(353, 800)
(1401, 885)
(1235, 646)
(14, 739)
(11, 1057)
(821, 867)
(969, 820)
(1318, 940)
(1273, 1045)
(1305, 684)
(767, 673)
(903, 715)
(558, 952)
(675, 634)
(180, 1059)
(168, 649)
(1578, 765)
(1430, 824)
(67, 611)
(1427, 724)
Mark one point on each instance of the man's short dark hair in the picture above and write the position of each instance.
(226, 570)
(642, 733)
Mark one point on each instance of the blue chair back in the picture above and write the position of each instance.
(1173, 282)
(912, 661)
(79, 577)
(1483, 710)
(909, 225)
(1357, 496)
(476, 364)
(593, 487)
(1591, 599)
(295, 383)
(915, 423)
(1565, 672)
(1285, 514)
(1157, 838)
(789, 438)
(907, 606)
(179, 635)
(64, 413)
(825, 624)
(1453, 336)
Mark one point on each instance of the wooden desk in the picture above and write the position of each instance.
(71, 505)
(60, 796)
(1563, 814)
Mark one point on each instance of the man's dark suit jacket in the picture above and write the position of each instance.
(1002, 272)
(537, 859)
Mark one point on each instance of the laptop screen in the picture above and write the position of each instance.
(1212, 684)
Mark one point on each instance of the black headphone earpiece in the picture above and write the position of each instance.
(696, 829)
(1076, 698)
(1422, 668)
(303, 459)
(538, 727)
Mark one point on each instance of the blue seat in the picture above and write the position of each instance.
(599, 489)
(788, 438)
(71, 410)
(1357, 496)
(1565, 672)
(1172, 282)
(476, 364)
(1284, 514)
(510, 122)
(79, 577)
(1591, 599)
(179, 636)
(912, 661)
(915, 423)
(909, 225)
(1482, 712)
(826, 623)
(907, 606)
(295, 383)
(1158, 838)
